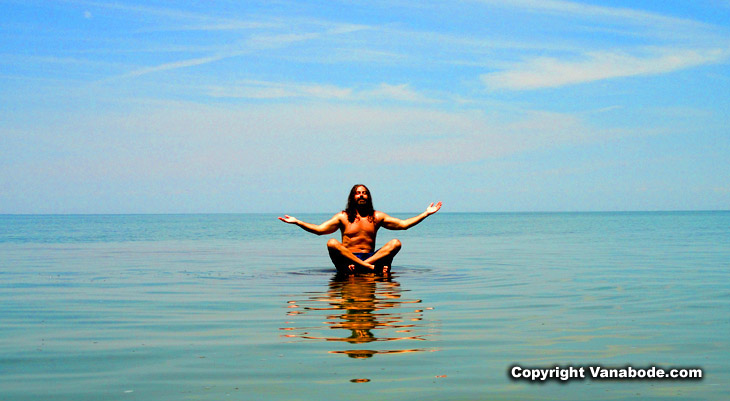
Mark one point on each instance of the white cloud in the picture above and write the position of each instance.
(175, 140)
(175, 65)
(468, 137)
(280, 40)
(282, 90)
(278, 90)
(138, 9)
(256, 42)
(562, 7)
(549, 72)
(401, 92)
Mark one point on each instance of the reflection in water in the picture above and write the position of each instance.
(363, 309)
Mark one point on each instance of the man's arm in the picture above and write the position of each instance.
(328, 227)
(391, 223)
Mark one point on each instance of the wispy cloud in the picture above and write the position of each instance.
(477, 136)
(256, 42)
(286, 90)
(401, 92)
(213, 26)
(277, 90)
(562, 7)
(175, 65)
(140, 9)
(550, 72)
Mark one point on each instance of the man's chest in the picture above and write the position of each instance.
(360, 226)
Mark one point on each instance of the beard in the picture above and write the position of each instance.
(363, 204)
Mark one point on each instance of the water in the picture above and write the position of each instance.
(187, 307)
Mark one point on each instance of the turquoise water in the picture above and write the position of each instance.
(188, 307)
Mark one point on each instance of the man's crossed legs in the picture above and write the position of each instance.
(348, 262)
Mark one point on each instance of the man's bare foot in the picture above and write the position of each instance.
(354, 267)
(386, 269)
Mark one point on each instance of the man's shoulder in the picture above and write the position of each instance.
(379, 215)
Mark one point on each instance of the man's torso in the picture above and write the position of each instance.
(359, 235)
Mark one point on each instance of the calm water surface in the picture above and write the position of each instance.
(188, 307)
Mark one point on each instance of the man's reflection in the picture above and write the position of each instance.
(369, 307)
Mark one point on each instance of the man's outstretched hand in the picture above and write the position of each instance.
(288, 219)
(431, 209)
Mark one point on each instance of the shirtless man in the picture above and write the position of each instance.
(359, 224)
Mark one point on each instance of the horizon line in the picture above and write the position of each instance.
(445, 212)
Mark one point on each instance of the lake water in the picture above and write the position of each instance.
(216, 307)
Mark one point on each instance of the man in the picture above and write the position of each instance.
(359, 223)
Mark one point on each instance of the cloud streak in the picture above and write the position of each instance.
(282, 90)
(550, 72)
(257, 42)
(561, 7)
(478, 136)
(139, 9)
(175, 65)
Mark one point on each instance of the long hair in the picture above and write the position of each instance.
(366, 211)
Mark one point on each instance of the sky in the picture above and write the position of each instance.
(281, 106)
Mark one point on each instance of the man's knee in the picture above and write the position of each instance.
(332, 243)
(395, 244)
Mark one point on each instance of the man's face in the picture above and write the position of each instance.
(361, 195)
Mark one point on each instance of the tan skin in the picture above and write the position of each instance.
(359, 236)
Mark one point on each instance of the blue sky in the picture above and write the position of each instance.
(281, 106)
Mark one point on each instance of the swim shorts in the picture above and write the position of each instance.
(363, 255)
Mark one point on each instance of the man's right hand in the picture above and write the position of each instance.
(431, 209)
(288, 219)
